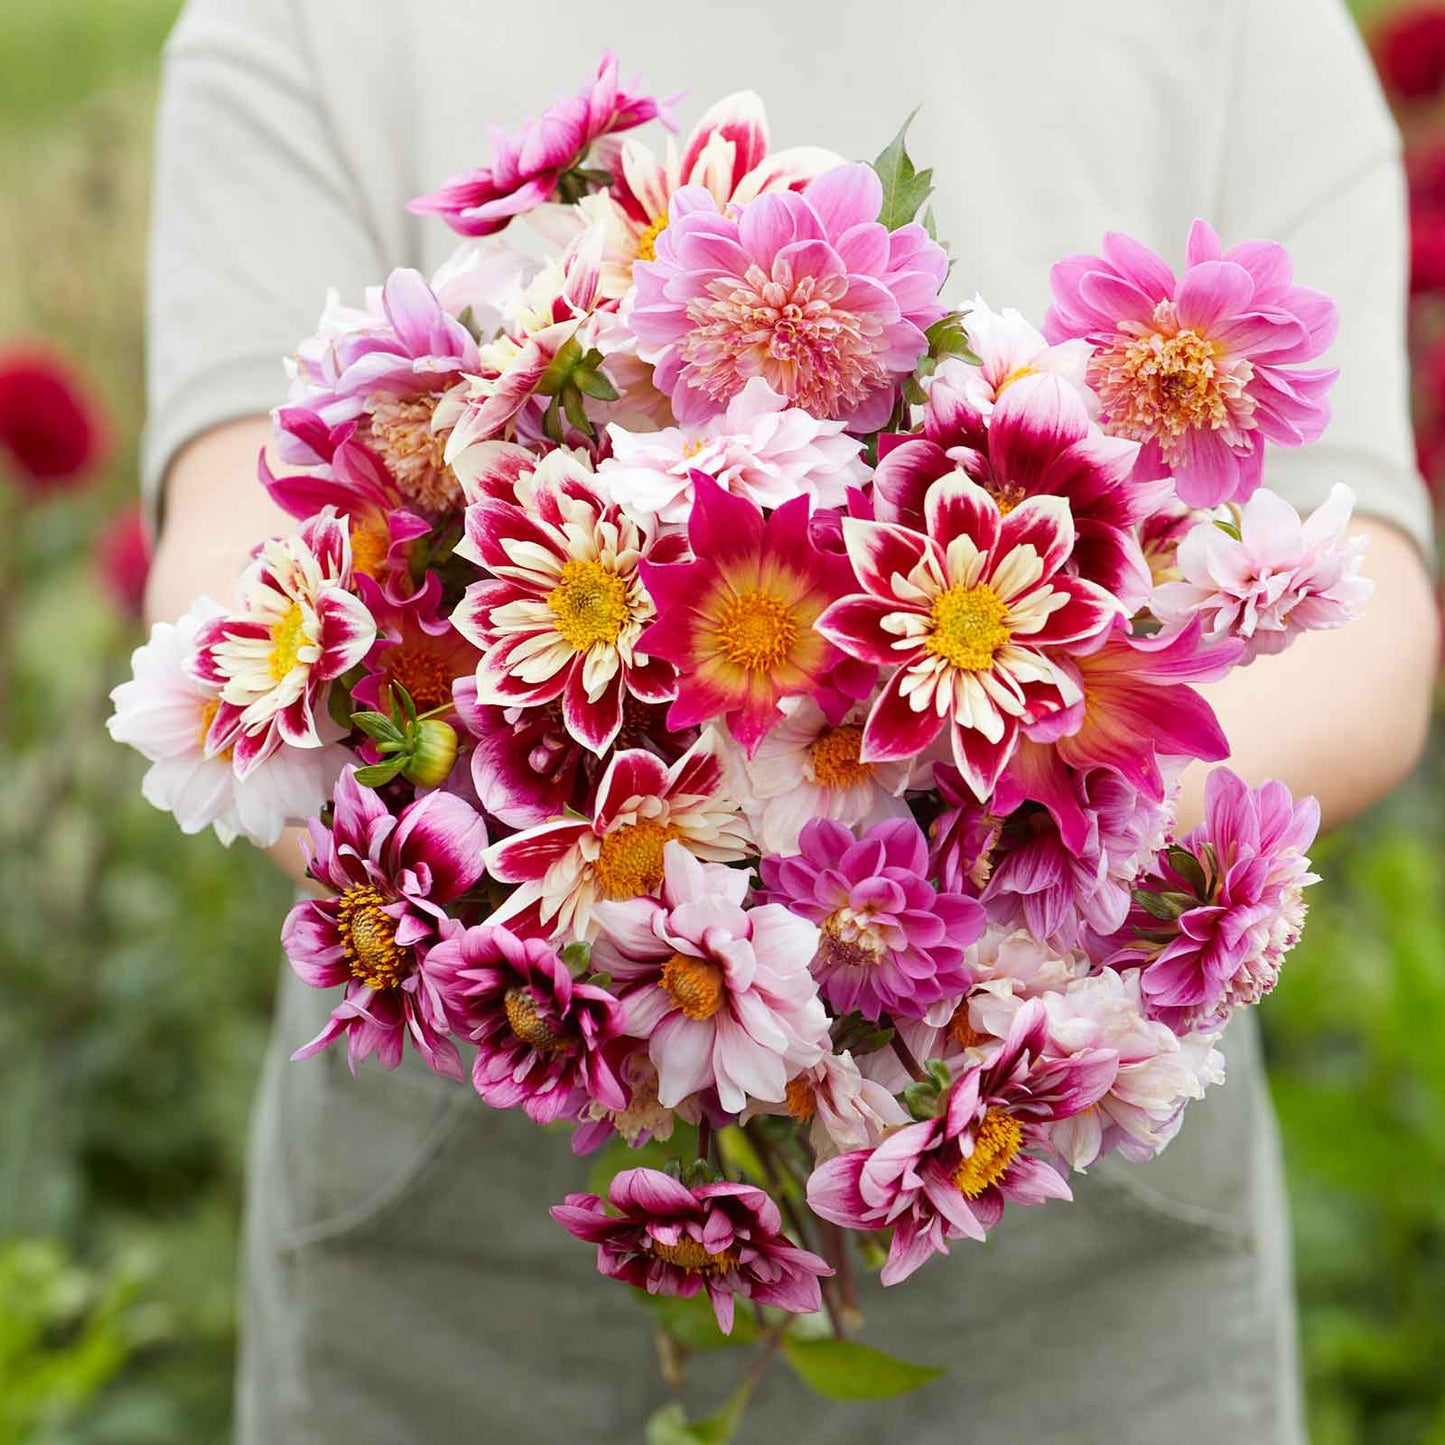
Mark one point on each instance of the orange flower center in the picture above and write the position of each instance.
(802, 1101)
(369, 546)
(755, 630)
(995, 1143)
(833, 756)
(528, 1024)
(960, 1026)
(589, 604)
(690, 1255)
(969, 627)
(647, 242)
(630, 862)
(414, 454)
(368, 939)
(696, 986)
(424, 674)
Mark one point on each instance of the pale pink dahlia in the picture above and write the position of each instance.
(1278, 578)
(1203, 369)
(889, 942)
(759, 448)
(721, 992)
(975, 616)
(948, 1177)
(807, 291)
(667, 1239)
(842, 1109)
(299, 629)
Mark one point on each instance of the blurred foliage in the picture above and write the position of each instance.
(136, 967)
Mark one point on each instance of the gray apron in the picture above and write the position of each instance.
(404, 1282)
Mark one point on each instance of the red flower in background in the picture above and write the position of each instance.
(1410, 53)
(123, 560)
(50, 425)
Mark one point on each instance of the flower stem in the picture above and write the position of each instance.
(905, 1057)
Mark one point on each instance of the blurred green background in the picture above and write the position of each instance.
(136, 972)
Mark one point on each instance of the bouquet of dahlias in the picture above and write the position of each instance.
(739, 701)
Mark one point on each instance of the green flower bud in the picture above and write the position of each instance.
(433, 751)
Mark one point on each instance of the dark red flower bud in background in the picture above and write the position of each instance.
(51, 428)
(1410, 52)
(123, 560)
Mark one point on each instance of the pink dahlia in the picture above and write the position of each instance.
(721, 992)
(736, 620)
(563, 868)
(667, 1239)
(1039, 442)
(809, 292)
(544, 1041)
(1202, 369)
(975, 617)
(889, 942)
(391, 879)
(416, 648)
(948, 1177)
(1223, 907)
(760, 448)
(559, 615)
(528, 167)
(842, 1109)
(51, 426)
(1278, 578)
(299, 629)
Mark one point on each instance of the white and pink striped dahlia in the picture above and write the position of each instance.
(299, 629)
(558, 616)
(975, 617)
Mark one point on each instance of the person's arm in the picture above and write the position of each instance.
(1342, 715)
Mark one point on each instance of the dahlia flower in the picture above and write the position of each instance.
(165, 713)
(974, 616)
(726, 154)
(759, 448)
(807, 291)
(1203, 369)
(807, 767)
(720, 992)
(1039, 442)
(724, 1238)
(963, 835)
(559, 614)
(51, 427)
(737, 618)
(565, 867)
(1278, 578)
(416, 648)
(543, 1041)
(843, 1110)
(1225, 905)
(391, 879)
(948, 1177)
(527, 167)
(299, 629)
(1159, 1072)
(123, 561)
(889, 942)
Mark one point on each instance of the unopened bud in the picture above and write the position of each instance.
(433, 751)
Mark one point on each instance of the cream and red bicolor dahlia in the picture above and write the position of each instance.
(975, 616)
(808, 291)
(949, 1177)
(721, 993)
(562, 869)
(528, 166)
(1205, 368)
(667, 1239)
(299, 629)
(391, 880)
(559, 614)
(737, 618)
(726, 154)
(544, 1040)
(888, 941)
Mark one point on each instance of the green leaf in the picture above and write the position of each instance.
(576, 409)
(577, 956)
(847, 1370)
(1159, 905)
(905, 188)
(377, 726)
(377, 774)
(948, 336)
(670, 1425)
(559, 370)
(1189, 868)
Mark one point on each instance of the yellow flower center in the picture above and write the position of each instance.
(369, 546)
(688, 1254)
(528, 1024)
(368, 939)
(630, 863)
(833, 756)
(969, 627)
(1017, 374)
(960, 1026)
(287, 639)
(995, 1142)
(209, 709)
(848, 940)
(692, 448)
(802, 1102)
(695, 984)
(647, 242)
(755, 631)
(590, 604)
